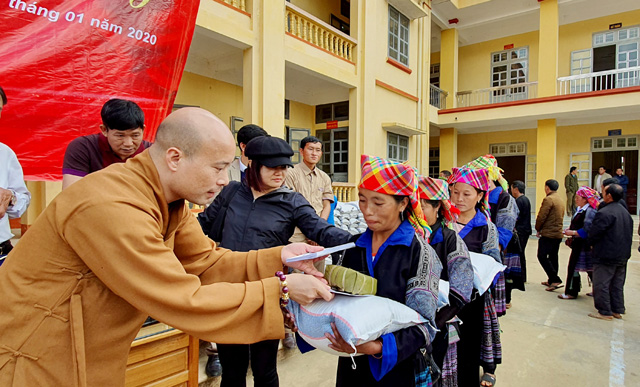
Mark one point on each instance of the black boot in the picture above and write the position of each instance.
(213, 367)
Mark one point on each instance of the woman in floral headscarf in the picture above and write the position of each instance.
(456, 270)
(480, 331)
(587, 201)
(394, 250)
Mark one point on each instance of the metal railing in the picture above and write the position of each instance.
(315, 31)
(491, 95)
(346, 192)
(240, 4)
(602, 80)
(437, 97)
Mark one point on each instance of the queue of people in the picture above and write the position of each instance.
(97, 262)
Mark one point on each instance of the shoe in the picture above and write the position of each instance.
(601, 316)
(213, 367)
(566, 297)
(590, 294)
(617, 315)
(508, 306)
(554, 286)
(289, 341)
(545, 283)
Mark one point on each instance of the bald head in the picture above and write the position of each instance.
(188, 129)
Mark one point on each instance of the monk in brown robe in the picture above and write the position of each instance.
(120, 245)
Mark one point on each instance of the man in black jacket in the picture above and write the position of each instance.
(610, 235)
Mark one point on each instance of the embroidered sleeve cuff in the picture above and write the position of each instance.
(380, 367)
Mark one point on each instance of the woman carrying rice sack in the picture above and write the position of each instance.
(480, 331)
(587, 201)
(503, 212)
(456, 269)
(393, 249)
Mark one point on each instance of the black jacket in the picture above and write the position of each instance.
(268, 221)
(611, 234)
(523, 224)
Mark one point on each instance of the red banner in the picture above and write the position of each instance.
(63, 59)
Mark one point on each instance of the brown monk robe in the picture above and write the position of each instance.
(118, 246)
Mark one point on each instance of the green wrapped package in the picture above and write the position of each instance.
(350, 281)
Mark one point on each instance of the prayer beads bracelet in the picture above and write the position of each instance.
(284, 298)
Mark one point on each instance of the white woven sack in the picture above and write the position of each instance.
(358, 319)
(485, 270)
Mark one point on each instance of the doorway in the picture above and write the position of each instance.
(513, 167)
(604, 58)
(628, 161)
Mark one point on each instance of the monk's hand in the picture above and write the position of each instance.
(295, 249)
(305, 288)
(339, 344)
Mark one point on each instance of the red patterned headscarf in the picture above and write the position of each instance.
(392, 178)
(477, 178)
(437, 189)
(590, 194)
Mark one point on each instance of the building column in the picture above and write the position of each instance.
(360, 119)
(424, 30)
(546, 138)
(449, 65)
(264, 69)
(548, 49)
(448, 148)
(42, 193)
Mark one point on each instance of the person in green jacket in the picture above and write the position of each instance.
(571, 186)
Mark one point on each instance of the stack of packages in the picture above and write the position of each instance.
(348, 217)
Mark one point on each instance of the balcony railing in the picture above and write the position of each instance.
(346, 192)
(318, 33)
(517, 92)
(602, 80)
(240, 4)
(437, 97)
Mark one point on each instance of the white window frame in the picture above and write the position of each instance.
(612, 143)
(398, 45)
(508, 149)
(395, 151)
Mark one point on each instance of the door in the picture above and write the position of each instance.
(604, 58)
(294, 136)
(335, 153)
(582, 161)
(513, 167)
(628, 161)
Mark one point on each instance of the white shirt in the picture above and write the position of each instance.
(11, 178)
(580, 209)
(242, 166)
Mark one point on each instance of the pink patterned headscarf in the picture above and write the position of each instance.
(590, 194)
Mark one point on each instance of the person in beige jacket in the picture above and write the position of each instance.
(549, 228)
(120, 245)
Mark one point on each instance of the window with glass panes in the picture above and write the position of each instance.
(509, 67)
(397, 147)
(398, 36)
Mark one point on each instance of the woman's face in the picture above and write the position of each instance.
(273, 178)
(381, 211)
(580, 201)
(465, 197)
(430, 212)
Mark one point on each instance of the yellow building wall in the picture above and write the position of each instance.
(474, 61)
(435, 57)
(577, 139)
(301, 116)
(473, 145)
(220, 98)
(579, 36)
(321, 9)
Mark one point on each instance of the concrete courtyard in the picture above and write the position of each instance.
(546, 341)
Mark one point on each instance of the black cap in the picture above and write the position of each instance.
(269, 151)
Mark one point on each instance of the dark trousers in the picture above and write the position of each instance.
(608, 285)
(548, 257)
(472, 316)
(523, 239)
(234, 359)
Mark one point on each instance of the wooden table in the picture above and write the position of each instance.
(162, 356)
